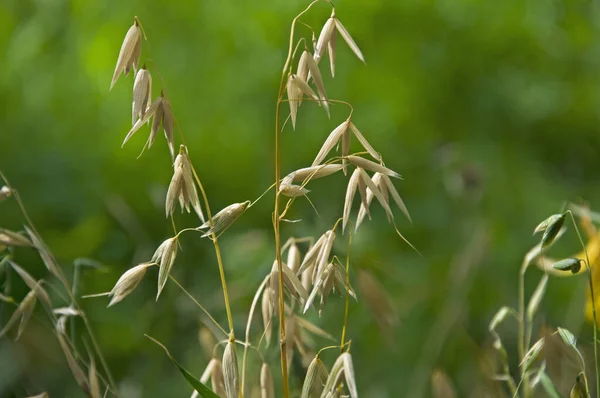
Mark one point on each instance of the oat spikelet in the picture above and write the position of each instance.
(217, 381)
(142, 92)
(93, 378)
(293, 258)
(267, 312)
(130, 52)
(267, 389)
(10, 238)
(42, 395)
(372, 166)
(331, 141)
(152, 110)
(76, 370)
(230, 371)
(296, 88)
(316, 76)
(314, 172)
(165, 255)
(441, 386)
(376, 191)
(343, 365)
(348, 39)
(128, 282)
(350, 191)
(182, 187)
(316, 377)
(310, 257)
(224, 218)
(23, 313)
(34, 285)
(324, 38)
(327, 41)
(363, 141)
(45, 254)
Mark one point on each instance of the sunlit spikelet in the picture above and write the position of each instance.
(128, 282)
(331, 141)
(224, 218)
(153, 109)
(129, 53)
(267, 389)
(316, 76)
(310, 258)
(34, 285)
(350, 191)
(363, 141)
(182, 187)
(327, 41)
(314, 172)
(230, 371)
(386, 187)
(217, 381)
(296, 89)
(142, 93)
(165, 256)
(342, 366)
(10, 238)
(316, 377)
(293, 258)
(372, 166)
(267, 312)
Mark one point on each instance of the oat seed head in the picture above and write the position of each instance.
(224, 218)
(10, 238)
(182, 187)
(142, 92)
(128, 282)
(267, 389)
(165, 254)
(129, 53)
(331, 141)
(230, 371)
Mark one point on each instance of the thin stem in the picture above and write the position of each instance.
(521, 342)
(591, 283)
(199, 305)
(347, 293)
(215, 241)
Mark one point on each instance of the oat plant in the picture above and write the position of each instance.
(305, 270)
(532, 362)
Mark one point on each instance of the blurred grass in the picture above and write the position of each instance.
(499, 100)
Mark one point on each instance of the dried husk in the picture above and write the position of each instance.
(230, 371)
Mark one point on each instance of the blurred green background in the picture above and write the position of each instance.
(489, 110)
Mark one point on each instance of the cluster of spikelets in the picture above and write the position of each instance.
(316, 273)
(58, 315)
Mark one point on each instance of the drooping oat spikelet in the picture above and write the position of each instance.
(34, 285)
(230, 371)
(322, 278)
(314, 172)
(310, 258)
(350, 191)
(316, 377)
(331, 141)
(328, 38)
(217, 380)
(343, 365)
(128, 282)
(76, 370)
(292, 191)
(142, 93)
(182, 187)
(316, 76)
(372, 166)
(323, 257)
(224, 218)
(293, 258)
(363, 141)
(267, 389)
(45, 254)
(324, 38)
(23, 313)
(153, 109)
(386, 187)
(296, 88)
(10, 238)
(93, 378)
(267, 304)
(165, 255)
(376, 192)
(292, 284)
(130, 52)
